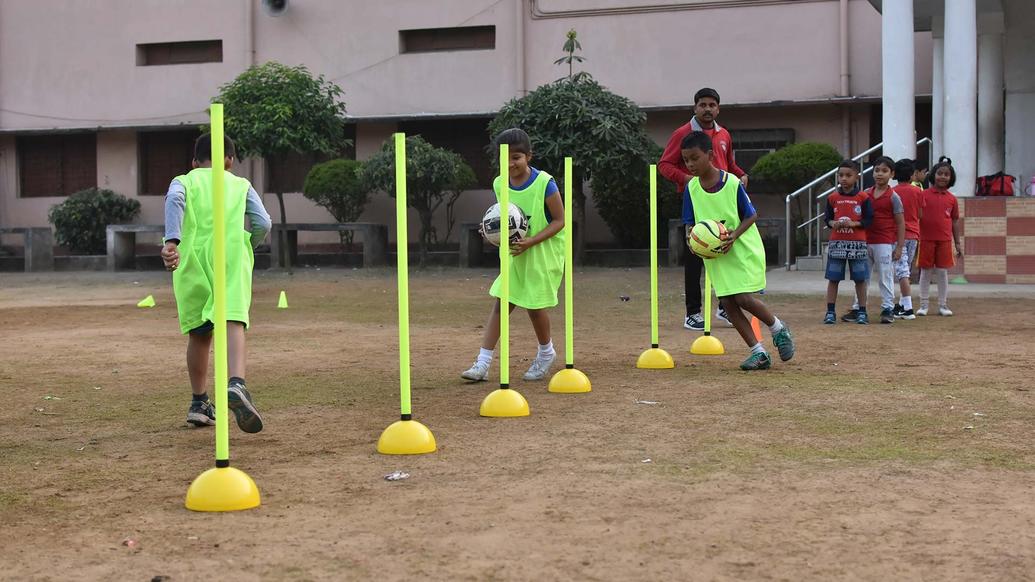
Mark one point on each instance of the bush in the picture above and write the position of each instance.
(622, 197)
(792, 167)
(336, 186)
(81, 221)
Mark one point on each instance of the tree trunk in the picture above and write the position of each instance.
(425, 234)
(285, 251)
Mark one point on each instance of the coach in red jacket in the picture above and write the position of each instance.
(672, 167)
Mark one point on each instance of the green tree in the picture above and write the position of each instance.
(81, 221)
(338, 187)
(793, 166)
(273, 110)
(434, 176)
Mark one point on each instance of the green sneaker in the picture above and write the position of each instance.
(784, 343)
(757, 361)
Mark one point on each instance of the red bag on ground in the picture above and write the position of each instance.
(998, 184)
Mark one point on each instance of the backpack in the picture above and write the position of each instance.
(998, 184)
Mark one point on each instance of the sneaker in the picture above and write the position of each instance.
(945, 311)
(906, 314)
(694, 322)
(201, 413)
(478, 372)
(886, 315)
(784, 343)
(863, 319)
(722, 316)
(830, 319)
(757, 361)
(240, 402)
(922, 311)
(540, 367)
(852, 315)
(897, 310)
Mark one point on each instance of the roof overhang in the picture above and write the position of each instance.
(925, 11)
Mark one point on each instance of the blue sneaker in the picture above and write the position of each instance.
(862, 318)
(240, 402)
(830, 319)
(784, 343)
(759, 361)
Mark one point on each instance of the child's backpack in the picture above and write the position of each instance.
(998, 184)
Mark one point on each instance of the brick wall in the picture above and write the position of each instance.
(998, 240)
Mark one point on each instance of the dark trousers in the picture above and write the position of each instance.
(692, 267)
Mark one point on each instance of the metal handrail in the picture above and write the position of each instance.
(814, 199)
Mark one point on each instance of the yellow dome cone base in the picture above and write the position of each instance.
(655, 359)
(222, 489)
(148, 301)
(569, 381)
(707, 345)
(504, 403)
(406, 437)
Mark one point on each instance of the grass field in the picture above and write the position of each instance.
(883, 452)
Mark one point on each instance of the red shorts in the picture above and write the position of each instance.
(936, 254)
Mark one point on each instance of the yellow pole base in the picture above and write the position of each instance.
(655, 359)
(707, 345)
(569, 381)
(504, 403)
(222, 489)
(406, 437)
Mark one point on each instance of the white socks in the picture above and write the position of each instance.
(546, 350)
(485, 356)
(758, 348)
(777, 326)
(906, 302)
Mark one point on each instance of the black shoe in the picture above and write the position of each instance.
(905, 314)
(897, 310)
(694, 322)
(886, 316)
(852, 315)
(201, 413)
(240, 402)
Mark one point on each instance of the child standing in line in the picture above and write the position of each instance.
(885, 235)
(939, 226)
(188, 254)
(910, 196)
(538, 259)
(848, 214)
(919, 173)
(739, 273)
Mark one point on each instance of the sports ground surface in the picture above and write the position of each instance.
(879, 453)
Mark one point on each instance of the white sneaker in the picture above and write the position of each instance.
(721, 317)
(540, 367)
(944, 311)
(922, 311)
(478, 372)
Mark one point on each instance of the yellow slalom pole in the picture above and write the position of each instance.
(505, 401)
(223, 488)
(405, 436)
(569, 380)
(655, 357)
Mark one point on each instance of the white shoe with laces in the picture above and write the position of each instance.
(945, 311)
(478, 372)
(540, 367)
(922, 311)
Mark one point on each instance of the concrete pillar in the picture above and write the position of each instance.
(1019, 71)
(938, 87)
(991, 137)
(897, 57)
(961, 92)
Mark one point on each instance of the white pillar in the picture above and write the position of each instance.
(960, 69)
(991, 133)
(938, 87)
(899, 99)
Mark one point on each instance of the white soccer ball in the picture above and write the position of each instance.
(491, 224)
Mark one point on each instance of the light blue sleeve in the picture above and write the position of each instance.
(175, 200)
(258, 218)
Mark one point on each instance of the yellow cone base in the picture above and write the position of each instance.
(569, 381)
(707, 345)
(504, 403)
(655, 359)
(222, 489)
(406, 437)
(282, 302)
(148, 301)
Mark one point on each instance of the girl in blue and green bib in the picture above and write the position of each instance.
(538, 259)
(739, 273)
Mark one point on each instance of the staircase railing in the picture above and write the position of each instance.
(813, 225)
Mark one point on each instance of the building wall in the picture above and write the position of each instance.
(998, 240)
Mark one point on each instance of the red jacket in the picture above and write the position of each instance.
(674, 169)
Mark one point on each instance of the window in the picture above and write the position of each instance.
(288, 173)
(56, 165)
(468, 137)
(179, 53)
(749, 145)
(163, 155)
(467, 38)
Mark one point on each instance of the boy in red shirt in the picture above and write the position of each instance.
(848, 214)
(674, 169)
(885, 235)
(910, 196)
(938, 226)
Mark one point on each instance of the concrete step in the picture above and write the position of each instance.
(809, 263)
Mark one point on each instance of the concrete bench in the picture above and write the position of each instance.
(677, 238)
(374, 237)
(122, 244)
(472, 245)
(38, 242)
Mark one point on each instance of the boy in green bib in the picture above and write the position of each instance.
(538, 258)
(739, 273)
(188, 254)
